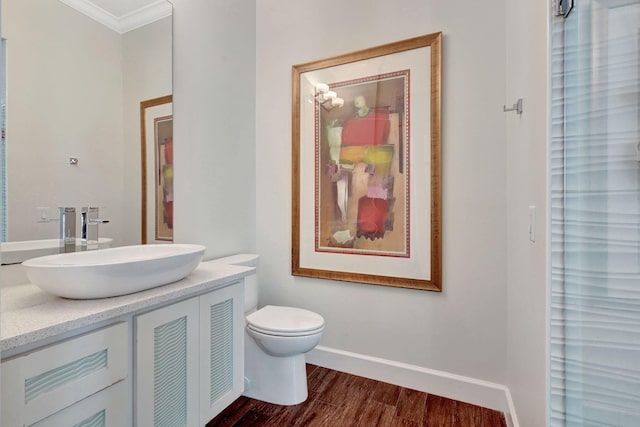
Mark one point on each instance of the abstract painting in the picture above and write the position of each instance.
(366, 166)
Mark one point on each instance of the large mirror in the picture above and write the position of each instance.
(75, 79)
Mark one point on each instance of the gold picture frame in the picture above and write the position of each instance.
(156, 129)
(366, 166)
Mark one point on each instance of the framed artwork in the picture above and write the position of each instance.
(156, 125)
(366, 166)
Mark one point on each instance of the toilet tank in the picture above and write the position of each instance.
(250, 293)
(250, 282)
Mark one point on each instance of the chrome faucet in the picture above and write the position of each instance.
(67, 228)
(89, 226)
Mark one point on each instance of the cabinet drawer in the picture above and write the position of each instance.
(108, 408)
(42, 383)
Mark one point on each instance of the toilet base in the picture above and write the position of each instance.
(277, 380)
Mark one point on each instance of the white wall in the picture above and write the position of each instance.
(526, 185)
(214, 124)
(482, 325)
(461, 330)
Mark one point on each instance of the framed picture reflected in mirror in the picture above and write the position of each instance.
(156, 128)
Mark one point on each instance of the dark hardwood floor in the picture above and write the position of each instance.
(337, 399)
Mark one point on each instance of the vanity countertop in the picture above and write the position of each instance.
(28, 314)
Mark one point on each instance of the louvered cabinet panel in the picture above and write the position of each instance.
(166, 386)
(189, 362)
(41, 383)
(221, 350)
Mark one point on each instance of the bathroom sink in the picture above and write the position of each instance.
(113, 272)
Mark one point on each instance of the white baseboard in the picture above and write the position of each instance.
(457, 387)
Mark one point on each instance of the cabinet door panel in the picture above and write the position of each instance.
(221, 350)
(167, 366)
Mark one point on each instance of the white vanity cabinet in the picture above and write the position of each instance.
(75, 382)
(189, 359)
(168, 356)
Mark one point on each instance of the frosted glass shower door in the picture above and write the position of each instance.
(595, 218)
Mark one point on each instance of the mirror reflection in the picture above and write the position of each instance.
(74, 84)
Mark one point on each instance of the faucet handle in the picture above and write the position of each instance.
(90, 209)
(89, 216)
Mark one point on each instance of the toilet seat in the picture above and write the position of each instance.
(285, 321)
(285, 334)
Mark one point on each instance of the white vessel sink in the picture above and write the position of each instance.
(112, 272)
(17, 252)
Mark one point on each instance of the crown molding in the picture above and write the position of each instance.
(146, 15)
(136, 19)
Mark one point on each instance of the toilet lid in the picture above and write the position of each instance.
(285, 320)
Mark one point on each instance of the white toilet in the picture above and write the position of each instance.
(276, 339)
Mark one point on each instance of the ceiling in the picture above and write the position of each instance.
(122, 15)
